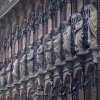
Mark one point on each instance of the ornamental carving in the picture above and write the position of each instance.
(2, 77)
(48, 51)
(30, 57)
(23, 65)
(67, 40)
(8, 70)
(92, 27)
(57, 46)
(15, 69)
(79, 34)
(40, 54)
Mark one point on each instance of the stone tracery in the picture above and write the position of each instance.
(35, 58)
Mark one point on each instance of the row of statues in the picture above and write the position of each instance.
(47, 45)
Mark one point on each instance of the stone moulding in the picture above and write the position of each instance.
(8, 7)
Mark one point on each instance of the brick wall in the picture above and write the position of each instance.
(79, 5)
(68, 10)
(49, 25)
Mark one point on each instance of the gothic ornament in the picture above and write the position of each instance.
(40, 55)
(92, 27)
(30, 60)
(23, 65)
(79, 35)
(8, 70)
(67, 41)
(15, 69)
(57, 47)
(2, 77)
(48, 51)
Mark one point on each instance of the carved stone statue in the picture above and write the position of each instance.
(2, 73)
(2, 77)
(67, 40)
(15, 69)
(8, 70)
(57, 46)
(23, 64)
(33, 95)
(40, 55)
(30, 60)
(48, 50)
(92, 27)
(79, 34)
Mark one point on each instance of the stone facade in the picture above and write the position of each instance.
(49, 50)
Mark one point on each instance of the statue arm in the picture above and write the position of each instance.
(59, 36)
(50, 46)
(30, 57)
(68, 31)
(79, 25)
(89, 35)
(40, 50)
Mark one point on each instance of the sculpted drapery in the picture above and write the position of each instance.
(2, 77)
(8, 70)
(22, 64)
(48, 51)
(92, 27)
(30, 60)
(15, 70)
(57, 46)
(40, 54)
(67, 39)
(79, 34)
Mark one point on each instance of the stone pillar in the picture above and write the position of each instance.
(93, 93)
(49, 25)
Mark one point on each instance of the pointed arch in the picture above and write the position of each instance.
(15, 97)
(23, 95)
(48, 91)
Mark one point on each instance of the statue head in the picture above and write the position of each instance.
(91, 7)
(8, 60)
(56, 30)
(15, 56)
(47, 37)
(31, 47)
(4, 61)
(39, 42)
(79, 16)
(66, 23)
(23, 51)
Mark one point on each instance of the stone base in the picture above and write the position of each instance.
(2, 89)
(40, 71)
(68, 58)
(31, 76)
(58, 63)
(49, 68)
(93, 46)
(16, 82)
(23, 79)
(9, 85)
(80, 52)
